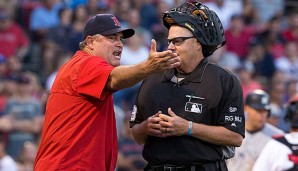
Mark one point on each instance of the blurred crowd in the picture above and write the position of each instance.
(38, 36)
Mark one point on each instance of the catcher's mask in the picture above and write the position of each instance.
(201, 21)
(291, 115)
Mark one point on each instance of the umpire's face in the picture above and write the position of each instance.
(183, 42)
(256, 118)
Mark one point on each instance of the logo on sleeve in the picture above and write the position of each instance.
(234, 120)
(134, 113)
(232, 117)
(233, 109)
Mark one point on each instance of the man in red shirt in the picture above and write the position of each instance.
(79, 131)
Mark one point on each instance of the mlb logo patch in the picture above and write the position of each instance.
(193, 107)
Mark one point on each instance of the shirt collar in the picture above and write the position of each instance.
(194, 76)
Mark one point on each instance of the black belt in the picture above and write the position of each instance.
(173, 168)
(215, 166)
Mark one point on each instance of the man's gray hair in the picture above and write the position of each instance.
(83, 43)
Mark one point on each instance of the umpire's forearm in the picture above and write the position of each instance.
(216, 135)
(139, 133)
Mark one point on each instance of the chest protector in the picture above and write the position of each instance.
(292, 157)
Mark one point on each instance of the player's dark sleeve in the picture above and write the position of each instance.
(136, 114)
(231, 108)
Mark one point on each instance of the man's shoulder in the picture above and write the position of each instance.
(82, 57)
(221, 70)
(217, 67)
(155, 77)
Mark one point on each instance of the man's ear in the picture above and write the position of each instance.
(197, 44)
(89, 42)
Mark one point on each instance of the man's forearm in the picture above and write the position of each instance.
(126, 76)
(139, 134)
(216, 135)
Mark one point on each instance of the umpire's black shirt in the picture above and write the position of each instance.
(209, 95)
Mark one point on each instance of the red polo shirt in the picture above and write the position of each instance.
(79, 131)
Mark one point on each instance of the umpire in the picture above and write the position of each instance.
(191, 117)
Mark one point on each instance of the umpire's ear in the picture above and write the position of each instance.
(197, 45)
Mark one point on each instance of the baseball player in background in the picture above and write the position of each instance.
(277, 157)
(257, 111)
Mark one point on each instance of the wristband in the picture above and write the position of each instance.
(189, 132)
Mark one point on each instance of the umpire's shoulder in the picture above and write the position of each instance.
(221, 70)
